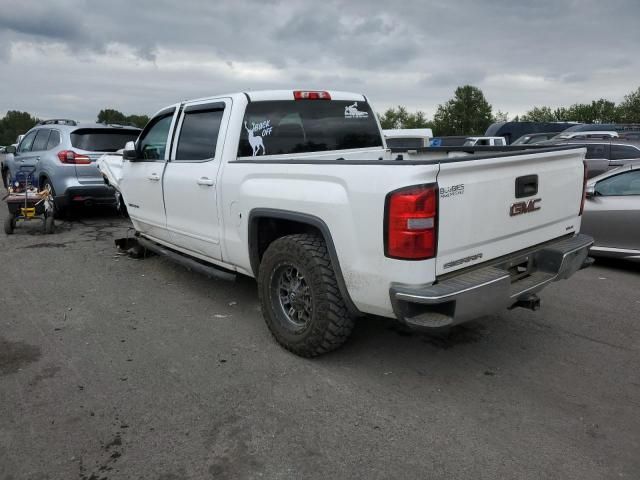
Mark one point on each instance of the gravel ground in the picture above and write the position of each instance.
(118, 368)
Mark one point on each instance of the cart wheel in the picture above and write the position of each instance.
(49, 224)
(9, 225)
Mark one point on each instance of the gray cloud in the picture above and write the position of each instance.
(74, 57)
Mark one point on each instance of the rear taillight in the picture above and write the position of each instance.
(71, 157)
(584, 187)
(311, 95)
(411, 223)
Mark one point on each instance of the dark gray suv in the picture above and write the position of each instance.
(605, 154)
(64, 155)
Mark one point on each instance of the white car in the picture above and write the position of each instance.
(296, 189)
(485, 142)
(588, 135)
(407, 138)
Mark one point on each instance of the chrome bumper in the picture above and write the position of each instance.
(490, 289)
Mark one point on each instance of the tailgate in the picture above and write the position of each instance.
(490, 207)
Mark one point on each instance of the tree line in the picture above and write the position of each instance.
(15, 123)
(467, 113)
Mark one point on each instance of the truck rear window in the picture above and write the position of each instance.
(282, 127)
(102, 139)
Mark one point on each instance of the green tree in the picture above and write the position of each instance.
(629, 109)
(467, 113)
(13, 124)
(138, 120)
(539, 114)
(401, 118)
(109, 115)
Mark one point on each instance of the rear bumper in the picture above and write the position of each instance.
(489, 289)
(87, 195)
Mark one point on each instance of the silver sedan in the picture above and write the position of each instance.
(612, 213)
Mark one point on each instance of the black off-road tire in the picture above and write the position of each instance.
(330, 323)
(9, 225)
(6, 178)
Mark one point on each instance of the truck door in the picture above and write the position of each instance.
(141, 183)
(190, 191)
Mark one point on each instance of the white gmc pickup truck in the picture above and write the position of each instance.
(298, 189)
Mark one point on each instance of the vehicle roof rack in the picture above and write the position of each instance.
(58, 121)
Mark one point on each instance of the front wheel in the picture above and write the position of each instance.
(300, 298)
(6, 178)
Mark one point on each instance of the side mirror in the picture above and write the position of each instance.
(10, 149)
(130, 153)
(590, 191)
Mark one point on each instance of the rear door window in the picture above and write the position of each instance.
(54, 139)
(40, 142)
(624, 152)
(597, 150)
(199, 132)
(102, 139)
(284, 127)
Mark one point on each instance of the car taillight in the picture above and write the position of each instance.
(311, 95)
(411, 223)
(584, 187)
(71, 157)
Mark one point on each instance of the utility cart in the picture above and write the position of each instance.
(26, 202)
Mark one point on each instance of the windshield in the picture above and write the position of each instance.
(284, 126)
(102, 139)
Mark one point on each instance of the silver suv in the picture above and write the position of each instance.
(64, 154)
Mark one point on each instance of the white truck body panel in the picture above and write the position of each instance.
(346, 190)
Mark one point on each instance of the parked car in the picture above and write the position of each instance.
(531, 138)
(616, 127)
(296, 189)
(590, 135)
(408, 138)
(612, 213)
(514, 130)
(485, 142)
(604, 155)
(64, 154)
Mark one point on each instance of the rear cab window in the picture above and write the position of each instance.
(102, 139)
(282, 127)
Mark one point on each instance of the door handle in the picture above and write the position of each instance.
(154, 177)
(205, 181)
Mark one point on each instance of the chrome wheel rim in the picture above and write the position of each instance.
(293, 297)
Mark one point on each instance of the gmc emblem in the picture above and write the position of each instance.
(519, 208)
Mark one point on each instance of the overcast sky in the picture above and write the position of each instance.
(70, 58)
